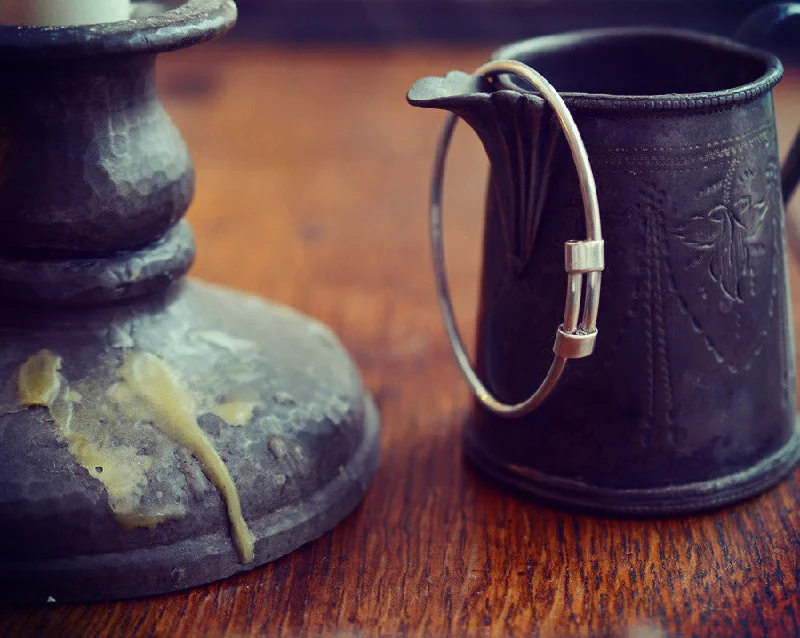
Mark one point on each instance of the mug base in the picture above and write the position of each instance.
(669, 500)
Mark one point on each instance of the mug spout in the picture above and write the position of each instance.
(520, 134)
(453, 91)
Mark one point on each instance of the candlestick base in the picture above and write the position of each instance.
(274, 392)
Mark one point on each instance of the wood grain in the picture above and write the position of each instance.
(313, 177)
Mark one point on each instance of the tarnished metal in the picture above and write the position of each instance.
(96, 504)
(688, 400)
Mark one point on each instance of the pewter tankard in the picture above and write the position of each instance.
(651, 161)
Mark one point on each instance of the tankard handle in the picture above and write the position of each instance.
(575, 337)
(756, 30)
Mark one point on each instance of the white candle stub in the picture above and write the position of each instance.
(63, 13)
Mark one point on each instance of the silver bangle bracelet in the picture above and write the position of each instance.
(575, 338)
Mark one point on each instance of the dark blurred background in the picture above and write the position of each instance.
(310, 22)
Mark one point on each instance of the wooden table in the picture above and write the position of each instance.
(313, 178)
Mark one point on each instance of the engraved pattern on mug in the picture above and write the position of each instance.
(715, 262)
(730, 241)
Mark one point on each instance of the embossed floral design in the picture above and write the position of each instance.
(728, 237)
(725, 265)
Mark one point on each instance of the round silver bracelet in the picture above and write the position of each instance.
(575, 338)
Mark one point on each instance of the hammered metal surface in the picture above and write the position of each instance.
(111, 170)
(94, 179)
(79, 281)
(300, 466)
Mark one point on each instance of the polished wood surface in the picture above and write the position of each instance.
(312, 185)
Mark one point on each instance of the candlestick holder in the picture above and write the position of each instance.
(155, 433)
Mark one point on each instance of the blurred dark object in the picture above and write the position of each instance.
(775, 27)
(462, 21)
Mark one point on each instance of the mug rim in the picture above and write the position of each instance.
(674, 101)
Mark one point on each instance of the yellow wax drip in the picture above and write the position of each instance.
(235, 413)
(38, 380)
(123, 473)
(120, 468)
(150, 390)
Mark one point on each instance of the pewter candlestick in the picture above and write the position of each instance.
(155, 433)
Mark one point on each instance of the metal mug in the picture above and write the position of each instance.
(667, 139)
